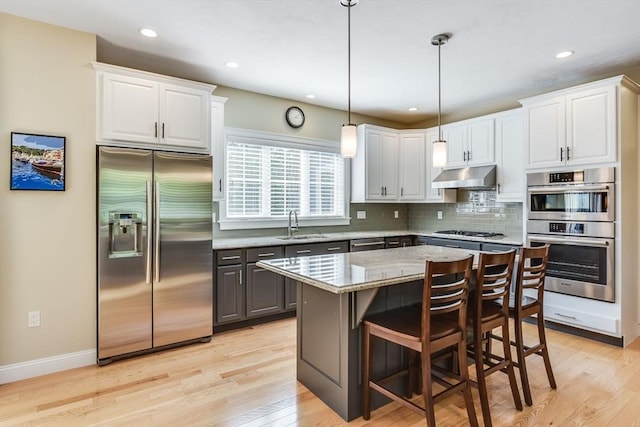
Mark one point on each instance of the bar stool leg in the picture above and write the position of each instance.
(545, 351)
(522, 364)
(427, 391)
(506, 347)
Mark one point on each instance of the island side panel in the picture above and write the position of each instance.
(328, 354)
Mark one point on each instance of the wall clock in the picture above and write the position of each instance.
(294, 117)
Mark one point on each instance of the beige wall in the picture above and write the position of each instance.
(47, 239)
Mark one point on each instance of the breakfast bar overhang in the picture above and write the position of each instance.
(334, 293)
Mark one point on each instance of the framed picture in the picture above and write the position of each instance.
(37, 162)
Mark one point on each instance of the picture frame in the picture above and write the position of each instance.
(37, 162)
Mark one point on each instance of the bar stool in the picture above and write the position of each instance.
(488, 311)
(532, 267)
(439, 324)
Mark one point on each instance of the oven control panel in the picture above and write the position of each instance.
(558, 177)
(566, 227)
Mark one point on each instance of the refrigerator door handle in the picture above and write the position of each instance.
(156, 230)
(149, 231)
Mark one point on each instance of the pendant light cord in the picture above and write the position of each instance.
(349, 62)
(439, 94)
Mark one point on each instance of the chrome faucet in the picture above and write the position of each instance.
(291, 229)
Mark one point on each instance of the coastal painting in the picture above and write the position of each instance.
(37, 162)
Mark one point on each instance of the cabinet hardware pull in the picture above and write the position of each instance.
(568, 158)
(305, 251)
(267, 254)
(561, 153)
(401, 191)
(498, 188)
(469, 155)
(453, 246)
(396, 242)
(155, 127)
(231, 257)
(564, 315)
(464, 156)
(241, 277)
(337, 248)
(220, 185)
(355, 245)
(163, 130)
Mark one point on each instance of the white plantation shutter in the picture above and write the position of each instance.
(268, 181)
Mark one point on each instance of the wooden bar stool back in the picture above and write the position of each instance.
(439, 324)
(532, 267)
(488, 311)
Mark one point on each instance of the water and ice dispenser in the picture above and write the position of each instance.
(125, 235)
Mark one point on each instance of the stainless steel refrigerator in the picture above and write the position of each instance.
(155, 284)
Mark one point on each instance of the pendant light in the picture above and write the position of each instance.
(349, 134)
(439, 146)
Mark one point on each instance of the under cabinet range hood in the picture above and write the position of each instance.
(470, 177)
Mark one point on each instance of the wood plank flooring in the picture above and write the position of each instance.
(247, 378)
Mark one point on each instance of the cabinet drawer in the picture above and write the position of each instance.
(229, 257)
(452, 243)
(498, 247)
(316, 249)
(367, 244)
(260, 254)
(580, 319)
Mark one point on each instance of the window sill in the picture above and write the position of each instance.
(245, 224)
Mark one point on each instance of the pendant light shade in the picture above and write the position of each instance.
(349, 140)
(439, 153)
(349, 134)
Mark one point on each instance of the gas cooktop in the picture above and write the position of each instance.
(470, 233)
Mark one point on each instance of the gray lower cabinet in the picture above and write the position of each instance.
(453, 243)
(229, 288)
(498, 247)
(265, 289)
(358, 245)
(422, 240)
(307, 250)
(398, 242)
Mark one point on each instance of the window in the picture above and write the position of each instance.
(269, 175)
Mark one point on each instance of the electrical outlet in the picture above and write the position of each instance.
(33, 320)
(361, 214)
(395, 214)
(439, 214)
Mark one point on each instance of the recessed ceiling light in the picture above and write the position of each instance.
(413, 108)
(565, 54)
(148, 32)
(310, 96)
(232, 64)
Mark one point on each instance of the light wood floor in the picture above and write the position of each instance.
(247, 378)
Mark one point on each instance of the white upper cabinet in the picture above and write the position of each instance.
(217, 146)
(137, 108)
(470, 142)
(411, 162)
(510, 170)
(575, 126)
(374, 170)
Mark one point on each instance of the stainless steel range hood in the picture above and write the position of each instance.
(470, 177)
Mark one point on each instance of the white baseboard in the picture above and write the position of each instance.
(47, 365)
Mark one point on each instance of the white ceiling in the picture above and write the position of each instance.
(500, 50)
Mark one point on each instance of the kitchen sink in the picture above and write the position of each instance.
(302, 237)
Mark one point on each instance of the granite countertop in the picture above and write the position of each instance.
(250, 242)
(356, 271)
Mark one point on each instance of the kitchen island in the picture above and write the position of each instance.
(334, 293)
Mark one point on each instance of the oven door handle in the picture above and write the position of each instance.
(568, 189)
(569, 241)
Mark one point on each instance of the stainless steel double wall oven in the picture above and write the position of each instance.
(574, 212)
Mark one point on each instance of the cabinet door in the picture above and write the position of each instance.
(389, 161)
(480, 142)
(264, 291)
(545, 133)
(184, 117)
(129, 109)
(456, 137)
(229, 294)
(217, 146)
(509, 158)
(591, 126)
(374, 164)
(412, 166)
(453, 243)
